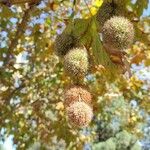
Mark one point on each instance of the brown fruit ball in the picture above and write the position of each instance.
(77, 93)
(80, 114)
(63, 43)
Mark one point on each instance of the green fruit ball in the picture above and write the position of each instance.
(76, 62)
(108, 10)
(63, 43)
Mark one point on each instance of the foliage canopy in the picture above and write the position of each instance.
(32, 80)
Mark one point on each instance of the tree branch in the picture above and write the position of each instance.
(13, 2)
(20, 30)
(23, 1)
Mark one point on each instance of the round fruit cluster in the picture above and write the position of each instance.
(117, 31)
(77, 100)
(117, 35)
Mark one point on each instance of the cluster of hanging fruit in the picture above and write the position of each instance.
(117, 35)
(77, 100)
(117, 31)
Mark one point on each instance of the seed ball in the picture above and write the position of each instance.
(76, 62)
(63, 43)
(80, 114)
(106, 11)
(77, 93)
(118, 33)
(118, 2)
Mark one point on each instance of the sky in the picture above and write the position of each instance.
(147, 11)
(8, 144)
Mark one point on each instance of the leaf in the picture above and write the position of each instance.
(95, 7)
(59, 106)
(100, 55)
(139, 33)
(78, 27)
(48, 21)
(147, 62)
(140, 6)
(138, 58)
(6, 12)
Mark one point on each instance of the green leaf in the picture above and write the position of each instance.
(101, 57)
(48, 21)
(140, 6)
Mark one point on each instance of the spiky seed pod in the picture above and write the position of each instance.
(118, 33)
(77, 93)
(63, 43)
(118, 2)
(76, 62)
(104, 13)
(108, 10)
(80, 114)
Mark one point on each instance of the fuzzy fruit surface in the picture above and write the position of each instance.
(118, 2)
(77, 93)
(63, 43)
(108, 10)
(118, 33)
(80, 114)
(76, 62)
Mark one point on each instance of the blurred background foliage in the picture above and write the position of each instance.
(32, 80)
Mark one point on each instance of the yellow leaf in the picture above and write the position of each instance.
(139, 57)
(134, 119)
(21, 123)
(82, 138)
(135, 83)
(95, 7)
(60, 106)
(98, 3)
(147, 62)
